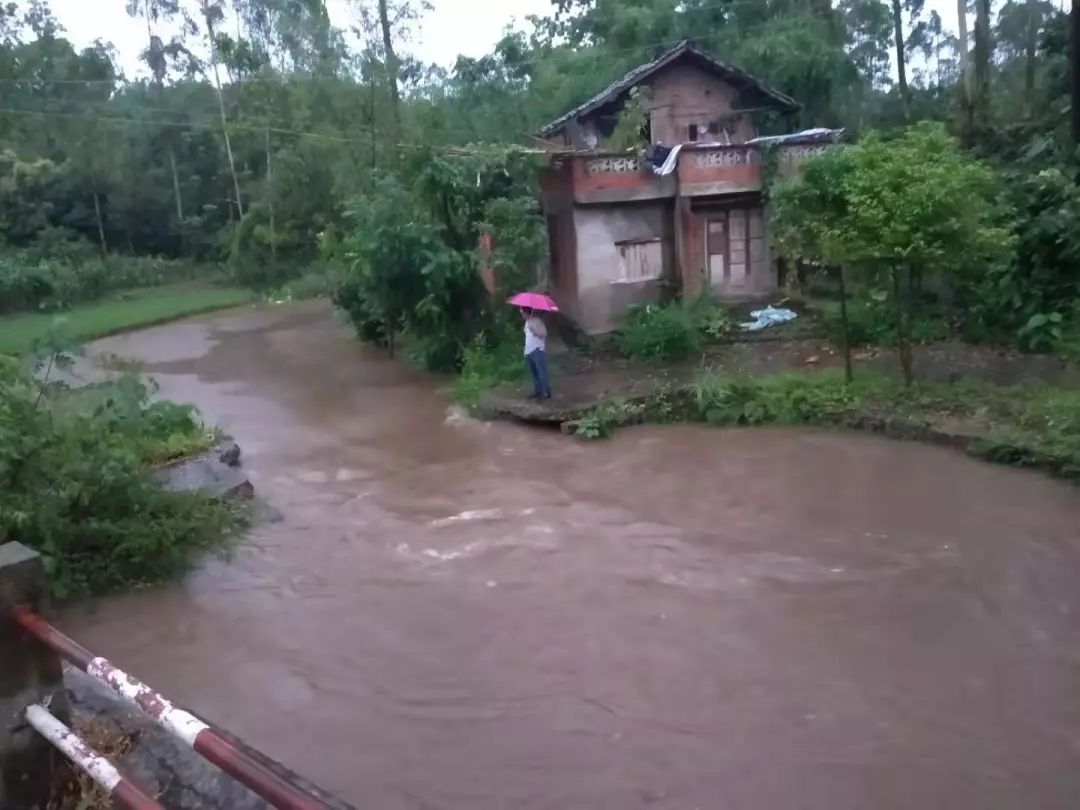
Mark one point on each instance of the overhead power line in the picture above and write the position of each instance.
(247, 125)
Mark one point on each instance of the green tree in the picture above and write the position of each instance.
(898, 210)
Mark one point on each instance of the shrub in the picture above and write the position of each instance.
(74, 483)
(601, 421)
(659, 332)
(783, 399)
(713, 321)
(486, 365)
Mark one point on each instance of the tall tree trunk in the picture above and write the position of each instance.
(371, 120)
(1030, 44)
(982, 63)
(221, 107)
(270, 195)
(849, 375)
(391, 70)
(901, 66)
(903, 340)
(963, 87)
(1074, 68)
(157, 68)
(100, 224)
(176, 186)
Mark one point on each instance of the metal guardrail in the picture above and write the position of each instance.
(201, 737)
(120, 790)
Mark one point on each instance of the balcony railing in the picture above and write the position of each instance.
(702, 170)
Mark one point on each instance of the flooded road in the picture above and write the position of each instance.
(452, 614)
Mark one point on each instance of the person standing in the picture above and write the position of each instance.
(536, 354)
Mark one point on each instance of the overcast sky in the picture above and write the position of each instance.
(469, 27)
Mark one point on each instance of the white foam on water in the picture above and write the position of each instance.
(467, 515)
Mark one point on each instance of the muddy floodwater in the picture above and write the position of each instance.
(454, 614)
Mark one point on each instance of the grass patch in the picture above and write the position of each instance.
(19, 333)
(486, 367)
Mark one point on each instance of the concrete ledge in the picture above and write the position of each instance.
(29, 673)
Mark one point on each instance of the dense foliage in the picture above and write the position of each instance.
(413, 253)
(75, 485)
(258, 135)
(902, 214)
(253, 123)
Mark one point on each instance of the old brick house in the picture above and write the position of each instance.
(622, 232)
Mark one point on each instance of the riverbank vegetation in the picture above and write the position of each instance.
(76, 480)
(1031, 425)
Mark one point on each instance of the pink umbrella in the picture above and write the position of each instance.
(532, 300)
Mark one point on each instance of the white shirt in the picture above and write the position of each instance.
(535, 335)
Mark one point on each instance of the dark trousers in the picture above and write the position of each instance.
(537, 363)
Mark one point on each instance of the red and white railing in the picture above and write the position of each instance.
(198, 735)
(119, 789)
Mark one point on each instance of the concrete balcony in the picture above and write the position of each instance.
(617, 178)
(702, 171)
(706, 170)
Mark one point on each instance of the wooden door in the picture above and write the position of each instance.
(734, 245)
(716, 250)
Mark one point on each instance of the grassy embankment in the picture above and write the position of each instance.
(1027, 426)
(1036, 425)
(19, 332)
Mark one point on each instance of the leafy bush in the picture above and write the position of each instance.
(1027, 300)
(783, 399)
(659, 332)
(486, 364)
(412, 251)
(1042, 332)
(74, 483)
(601, 421)
(713, 321)
(405, 278)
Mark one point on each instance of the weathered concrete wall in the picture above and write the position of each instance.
(681, 95)
(602, 299)
(29, 673)
(557, 190)
(684, 95)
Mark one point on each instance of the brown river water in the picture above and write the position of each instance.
(455, 614)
